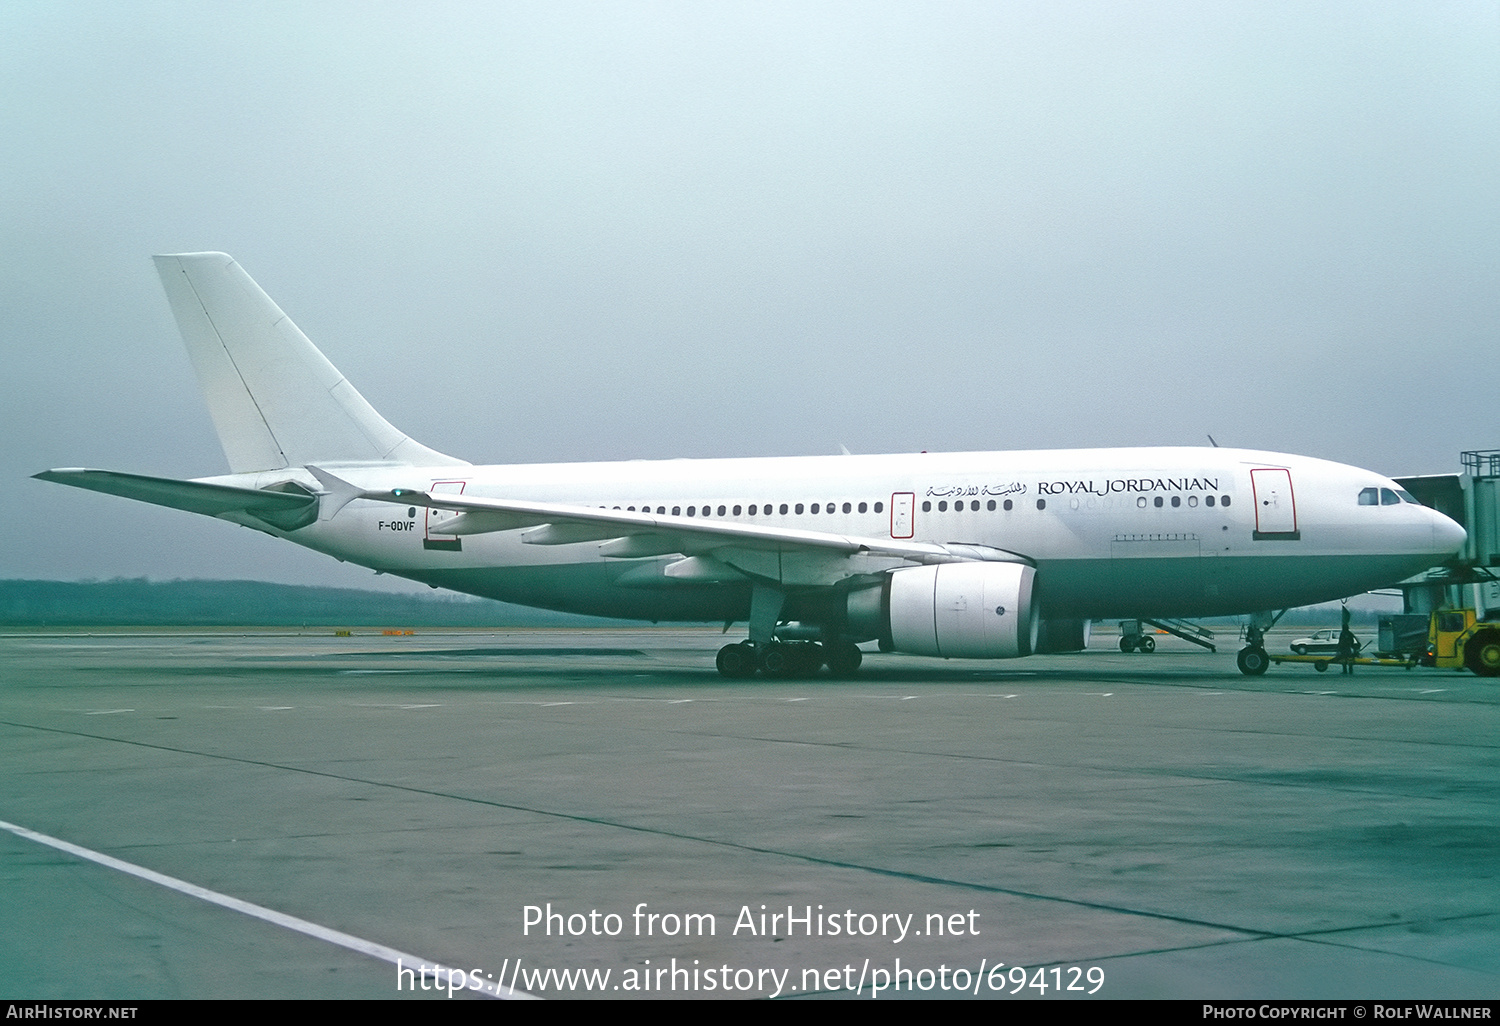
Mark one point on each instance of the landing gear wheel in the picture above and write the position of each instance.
(736, 662)
(807, 659)
(1127, 645)
(843, 658)
(776, 660)
(1253, 661)
(1482, 653)
(1148, 645)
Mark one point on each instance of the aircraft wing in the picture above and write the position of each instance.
(714, 549)
(285, 510)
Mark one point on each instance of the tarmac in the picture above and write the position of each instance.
(517, 806)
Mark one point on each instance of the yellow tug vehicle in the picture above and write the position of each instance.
(1457, 639)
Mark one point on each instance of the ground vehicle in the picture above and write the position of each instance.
(1322, 641)
(1457, 638)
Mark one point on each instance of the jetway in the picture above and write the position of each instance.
(1472, 498)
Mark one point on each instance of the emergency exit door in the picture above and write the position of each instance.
(903, 517)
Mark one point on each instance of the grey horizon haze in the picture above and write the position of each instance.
(572, 232)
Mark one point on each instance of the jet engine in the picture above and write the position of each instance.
(955, 610)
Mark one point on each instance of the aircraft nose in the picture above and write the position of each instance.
(1447, 536)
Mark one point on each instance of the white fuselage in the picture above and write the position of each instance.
(1112, 532)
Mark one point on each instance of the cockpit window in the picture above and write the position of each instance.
(1389, 498)
(1369, 497)
(1408, 496)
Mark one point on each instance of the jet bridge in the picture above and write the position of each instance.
(1472, 498)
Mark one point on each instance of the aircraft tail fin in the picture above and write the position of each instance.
(276, 401)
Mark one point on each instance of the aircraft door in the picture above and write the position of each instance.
(903, 514)
(1275, 505)
(442, 542)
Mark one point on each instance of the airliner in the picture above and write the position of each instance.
(973, 555)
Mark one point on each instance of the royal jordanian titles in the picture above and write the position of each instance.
(977, 555)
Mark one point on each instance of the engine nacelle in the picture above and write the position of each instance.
(954, 610)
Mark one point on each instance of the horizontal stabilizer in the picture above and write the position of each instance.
(285, 510)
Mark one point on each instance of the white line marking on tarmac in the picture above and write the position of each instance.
(107, 712)
(268, 915)
(274, 708)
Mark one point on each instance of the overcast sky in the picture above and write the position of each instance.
(558, 232)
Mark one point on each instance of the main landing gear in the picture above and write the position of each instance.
(789, 660)
(762, 653)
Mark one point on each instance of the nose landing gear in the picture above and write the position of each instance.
(1252, 659)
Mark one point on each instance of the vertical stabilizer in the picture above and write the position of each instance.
(275, 400)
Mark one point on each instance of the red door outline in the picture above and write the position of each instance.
(1275, 504)
(903, 503)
